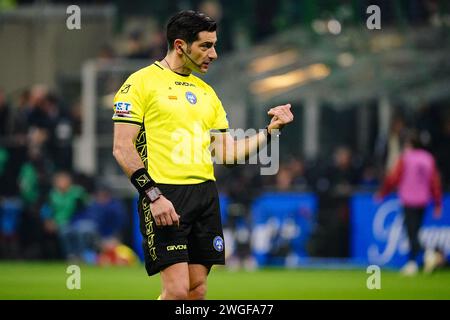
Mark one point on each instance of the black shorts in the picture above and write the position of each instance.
(198, 239)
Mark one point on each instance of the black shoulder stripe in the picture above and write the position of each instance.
(157, 65)
(128, 121)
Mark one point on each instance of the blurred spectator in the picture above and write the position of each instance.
(443, 151)
(284, 179)
(30, 178)
(335, 187)
(136, 48)
(10, 209)
(36, 114)
(17, 123)
(77, 117)
(300, 179)
(5, 114)
(10, 206)
(434, 12)
(60, 133)
(49, 127)
(65, 201)
(9, 168)
(106, 53)
(158, 45)
(102, 224)
(108, 213)
(393, 145)
(369, 177)
(343, 175)
(212, 8)
(34, 183)
(417, 178)
(291, 176)
(240, 185)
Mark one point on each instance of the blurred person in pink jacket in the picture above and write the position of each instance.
(417, 179)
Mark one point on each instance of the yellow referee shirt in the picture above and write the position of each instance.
(176, 114)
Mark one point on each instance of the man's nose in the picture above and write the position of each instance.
(212, 53)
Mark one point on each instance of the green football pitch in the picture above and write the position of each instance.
(20, 280)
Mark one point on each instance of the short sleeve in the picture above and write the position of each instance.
(221, 120)
(128, 102)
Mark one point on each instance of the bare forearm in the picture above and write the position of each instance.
(241, 149)
(128, 159)
(229, 151)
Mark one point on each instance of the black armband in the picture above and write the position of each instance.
(142, 181)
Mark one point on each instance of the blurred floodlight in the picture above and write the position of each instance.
(274, 61)
(345, 59)
(274, 85)
(382, 42)
(334, 26)
(320, 26)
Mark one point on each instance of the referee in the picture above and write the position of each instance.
(163, 119)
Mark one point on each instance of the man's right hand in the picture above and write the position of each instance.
(281, 116)
(164, 213)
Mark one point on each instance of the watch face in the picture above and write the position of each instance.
(154, 194)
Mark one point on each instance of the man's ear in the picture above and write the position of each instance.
(178, 45)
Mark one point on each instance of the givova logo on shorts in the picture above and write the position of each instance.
(176, 247)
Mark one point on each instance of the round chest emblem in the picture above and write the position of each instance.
(191, 97)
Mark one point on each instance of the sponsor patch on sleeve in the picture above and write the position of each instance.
(122, 109)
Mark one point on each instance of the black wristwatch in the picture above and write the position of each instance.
(153, 194)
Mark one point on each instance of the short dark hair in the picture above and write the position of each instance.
(186, 25)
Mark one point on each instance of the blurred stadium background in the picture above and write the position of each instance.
(308, 232)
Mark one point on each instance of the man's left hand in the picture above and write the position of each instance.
(281, 116)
